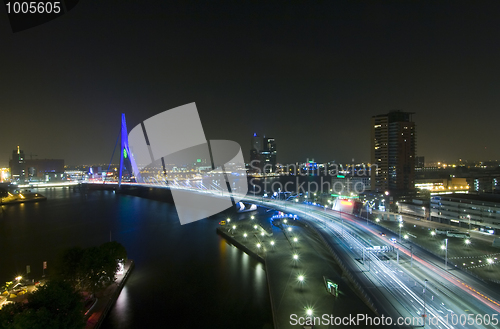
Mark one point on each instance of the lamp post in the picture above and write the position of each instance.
(445, 247)
(425, 289)
(342, 220)
(400, 226)
(469, 221)
(366, 213)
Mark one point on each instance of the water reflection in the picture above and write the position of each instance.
(121, 310)
(179, 269)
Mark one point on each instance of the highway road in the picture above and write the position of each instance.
(449, 298)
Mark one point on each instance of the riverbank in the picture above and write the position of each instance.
(108, 297)
(296, 264)
(22, 198)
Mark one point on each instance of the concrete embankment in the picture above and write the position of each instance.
(296, 263)
(239, 245)
(107, 298)
(23, 198)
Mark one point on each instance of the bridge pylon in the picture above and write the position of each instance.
(126, 157)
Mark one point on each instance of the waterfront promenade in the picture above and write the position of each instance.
(297, 263)
(107, 298)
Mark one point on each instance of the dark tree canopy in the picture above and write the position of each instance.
(54, 305)
(93, 268)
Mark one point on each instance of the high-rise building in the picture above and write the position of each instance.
(262, 155)
(256, 143)
(255, 149)
(419, 162)
(17, 165)
(393, 152)
(269, 155)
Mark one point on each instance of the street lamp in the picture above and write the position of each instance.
(425, 288)
(445, 247)
(295, 256)
(400, 226)
(469, 221)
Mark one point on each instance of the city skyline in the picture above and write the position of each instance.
(310, 76)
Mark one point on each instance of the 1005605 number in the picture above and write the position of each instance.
(34, 7)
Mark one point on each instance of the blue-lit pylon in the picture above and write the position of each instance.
(126, 154)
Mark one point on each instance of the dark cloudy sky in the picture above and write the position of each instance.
(310, 75)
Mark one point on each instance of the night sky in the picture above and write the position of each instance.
(309, 75)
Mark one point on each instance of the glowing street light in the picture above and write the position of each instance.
(309, 311)
(262, 233)
(252, 217)
(295, 256)
(255, 226)
(289, 229)
(445, 247)
(272, 243)
(300, 278)
(245, 235)
(467, 241)
(234, 227)
(490, 261)
(295, 239)
(433, 233)
(258, 245)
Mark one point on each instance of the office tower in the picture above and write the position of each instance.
(269, 154)
(255, 149)
(419, 162)
(393, 152)
(17, 166)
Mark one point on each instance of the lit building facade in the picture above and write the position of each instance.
(393, 145)
(477, 211)
(17, 165)
(268, 155)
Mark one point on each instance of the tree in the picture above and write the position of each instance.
(69, 266)
(93, 268)
(54, 305)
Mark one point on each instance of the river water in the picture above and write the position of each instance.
(185, 276)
